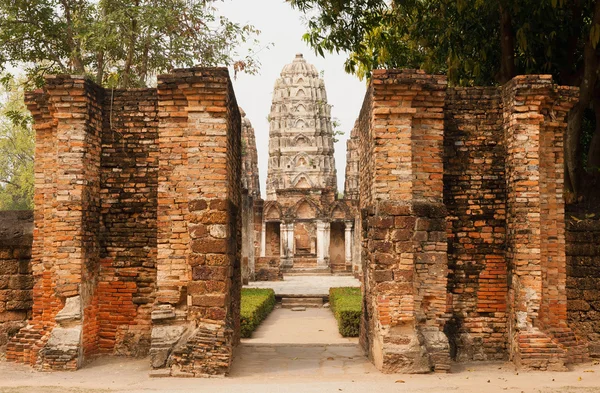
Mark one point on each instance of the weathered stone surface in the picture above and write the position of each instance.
(71, 312)
(300, 118)
(64, 339)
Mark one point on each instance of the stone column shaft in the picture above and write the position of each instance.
(263, 240)
(327, 241)
(283, 248)
(348, 242)
(290, 237)
(320, 243)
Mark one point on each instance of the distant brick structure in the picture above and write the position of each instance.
(148, 219)
(16, 281)
(583, 280)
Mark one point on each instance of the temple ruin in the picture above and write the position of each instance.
(305, 226)
(148, 218)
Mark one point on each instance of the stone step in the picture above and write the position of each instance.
(292, 302)
(309, 271)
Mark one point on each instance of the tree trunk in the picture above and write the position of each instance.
(74, 47)
(100, 65)
(586, 90)
(144, 64)
(594, 150)
(130, 51)
(568, 75)
(507, 46)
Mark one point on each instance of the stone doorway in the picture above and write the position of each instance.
(337, 253)
(273, 237)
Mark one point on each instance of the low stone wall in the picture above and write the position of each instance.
(16, 281)
(583, 281)
(268, 269)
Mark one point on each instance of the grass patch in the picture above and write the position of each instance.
(346, 304)
(256, 305)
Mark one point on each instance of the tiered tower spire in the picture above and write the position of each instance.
(301, 135)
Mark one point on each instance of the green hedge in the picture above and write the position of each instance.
(256, 305)
(346, 304)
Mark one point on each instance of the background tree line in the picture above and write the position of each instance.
(116, 43)
(126, 43)
(478, 42)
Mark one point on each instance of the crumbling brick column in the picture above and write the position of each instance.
(404, 228)
(196, 315)
(534, 120)
(65, 245)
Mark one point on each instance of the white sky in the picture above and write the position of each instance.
(282, 26)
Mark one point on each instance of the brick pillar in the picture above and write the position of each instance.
(65, 245)
(199, 228)
(404, 228)
(534, 121)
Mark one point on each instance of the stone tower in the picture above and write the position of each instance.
(301, 136)
(250, 179)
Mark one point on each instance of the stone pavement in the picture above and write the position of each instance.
(300, 360)
(313, 326)
(306, 285)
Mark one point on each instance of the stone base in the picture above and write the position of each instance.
(203, 351)
(268, 269)
(406, 351)
(535, 350)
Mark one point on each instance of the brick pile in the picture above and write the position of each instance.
(199, 223)
(534, 121)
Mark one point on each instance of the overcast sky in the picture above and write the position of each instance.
(282, 26)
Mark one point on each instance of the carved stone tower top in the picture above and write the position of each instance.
(250, 179)
(300, 136)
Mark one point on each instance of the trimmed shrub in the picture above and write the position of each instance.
(256, 305)
(346, 304)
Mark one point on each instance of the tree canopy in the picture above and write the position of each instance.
(119, 42)
(16, 149)
(116, 43)
(475, 42)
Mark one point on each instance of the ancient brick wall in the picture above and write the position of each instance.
(129, 182)
(65, 251)
(115, 260)
(583, 280)
(16, 281)
(475, 195)
(199, 224)
(502, 188)
(404, 231)
(534, 121)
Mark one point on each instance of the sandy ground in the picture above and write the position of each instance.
(131, 375)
